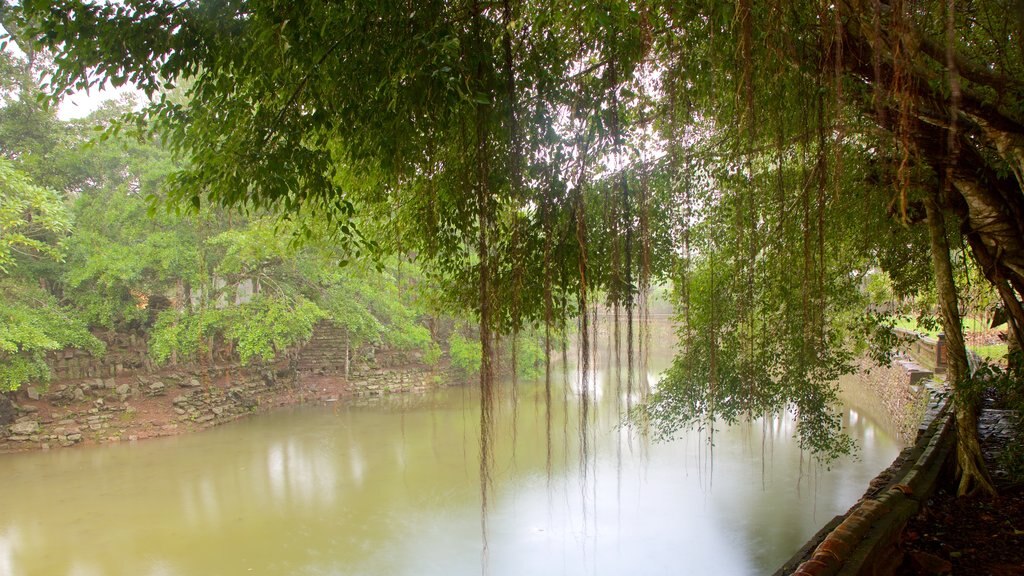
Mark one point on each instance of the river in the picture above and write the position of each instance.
(391, 487)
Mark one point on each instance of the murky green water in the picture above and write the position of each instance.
(392, 488)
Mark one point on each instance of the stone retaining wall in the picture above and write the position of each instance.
(100, 410)
(901, 388)
(130, 401)
(927, 351)
(127, 354)
(127, 408)
(865, 540)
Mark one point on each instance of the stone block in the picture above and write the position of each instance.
(25, 427)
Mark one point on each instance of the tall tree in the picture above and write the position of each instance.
(33, 222)
(482, 133)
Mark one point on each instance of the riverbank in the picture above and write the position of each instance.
(973, 535)
(131, 408)
(910, 522)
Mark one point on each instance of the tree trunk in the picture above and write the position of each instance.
(987, 169)
(973, 476)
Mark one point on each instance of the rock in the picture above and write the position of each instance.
(189, 383)
(28, 409)
(74, 437)
(33, 393)
(79, 395)
(26, 427)
(180, 400)
(205, 418)
(99, 402)
(7, 411)
(179, 411)
(217, 410)
(123, 389)
(157, 389)
(110, 384)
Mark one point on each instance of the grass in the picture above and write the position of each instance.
(991, 351)
(911, 324)
(969, 324)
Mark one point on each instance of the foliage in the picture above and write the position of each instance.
(532, 155)
(177, 332)
(265, 327)
(529, 356)
(465, 354)
(33, 323)
(32, 218)
(33, 222)
(187, 279)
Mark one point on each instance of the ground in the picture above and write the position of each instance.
(973, 535)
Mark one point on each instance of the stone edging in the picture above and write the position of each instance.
(864, 540)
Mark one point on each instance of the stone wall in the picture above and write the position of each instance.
(127, 353)
(866, 539)
(135, 402)
(128, 408)
(927, 351)
(368, 370)
(901, 388)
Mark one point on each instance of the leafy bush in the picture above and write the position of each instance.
(266, 326)
(180, 332)
(260, 328)
(32, 323)
(529, 357)
(465, 354)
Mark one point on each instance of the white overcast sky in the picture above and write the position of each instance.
(79, 104)
(82, 104)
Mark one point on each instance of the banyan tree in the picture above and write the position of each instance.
(546, 157)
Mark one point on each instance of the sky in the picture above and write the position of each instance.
(80, 104)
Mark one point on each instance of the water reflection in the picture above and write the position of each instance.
(9, 542)
(391, 487)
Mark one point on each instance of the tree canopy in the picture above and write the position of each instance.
(535, 154)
